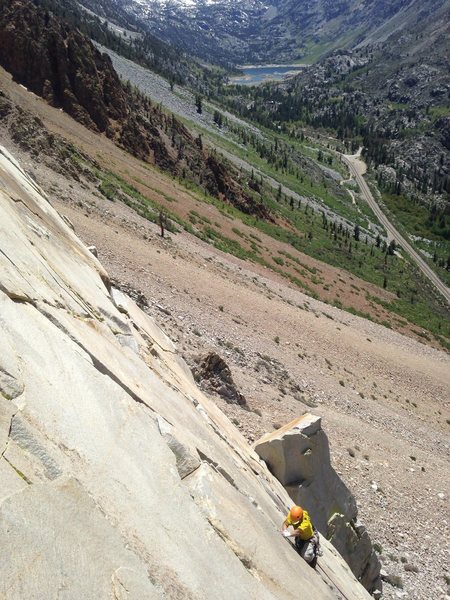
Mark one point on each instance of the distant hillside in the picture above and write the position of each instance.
(283, 30)
(392, 98)
(59, 63)
(109, 25)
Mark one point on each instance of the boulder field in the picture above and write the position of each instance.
(119, 477)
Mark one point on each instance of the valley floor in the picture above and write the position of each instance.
(384, 397)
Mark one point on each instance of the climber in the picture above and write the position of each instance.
(306, 536)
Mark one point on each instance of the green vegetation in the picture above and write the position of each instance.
(313, 51)
(108, 189)
(416, 218)
(310, 232)
(315, 236)
(114, 188)
(420, 195)
(228, 245)
(282, 157)
(430, 228)
(414, 300)
(437, 112)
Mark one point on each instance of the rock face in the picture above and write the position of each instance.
(298, 455)
(59, 65)
(119, 477)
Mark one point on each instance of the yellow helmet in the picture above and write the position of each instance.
(296, 514)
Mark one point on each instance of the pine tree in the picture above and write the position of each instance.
(218, 119)
(198, 104)
(392, 247)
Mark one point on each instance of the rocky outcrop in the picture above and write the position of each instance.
(219, 183)
(52, 150)
(213, 373)
(298, 455)
(60, 65)
(120, 478)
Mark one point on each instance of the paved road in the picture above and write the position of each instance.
(357, 169)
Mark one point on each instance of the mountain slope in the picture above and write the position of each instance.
(358, 351)
(392, 99)
(105, 441)
(281, 30)
(109, 25)
(59, 63)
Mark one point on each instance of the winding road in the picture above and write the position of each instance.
(357, 168)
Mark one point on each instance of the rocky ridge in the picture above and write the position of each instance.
(59, 65)
(102, 425)
(110, 25)
(277, 31)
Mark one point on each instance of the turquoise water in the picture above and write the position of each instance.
(256, 75)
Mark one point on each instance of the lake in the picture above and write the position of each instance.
(254, 75)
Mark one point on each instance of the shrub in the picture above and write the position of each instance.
(392, 557)
(108, 189)
(395, 580)
(411, 568)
